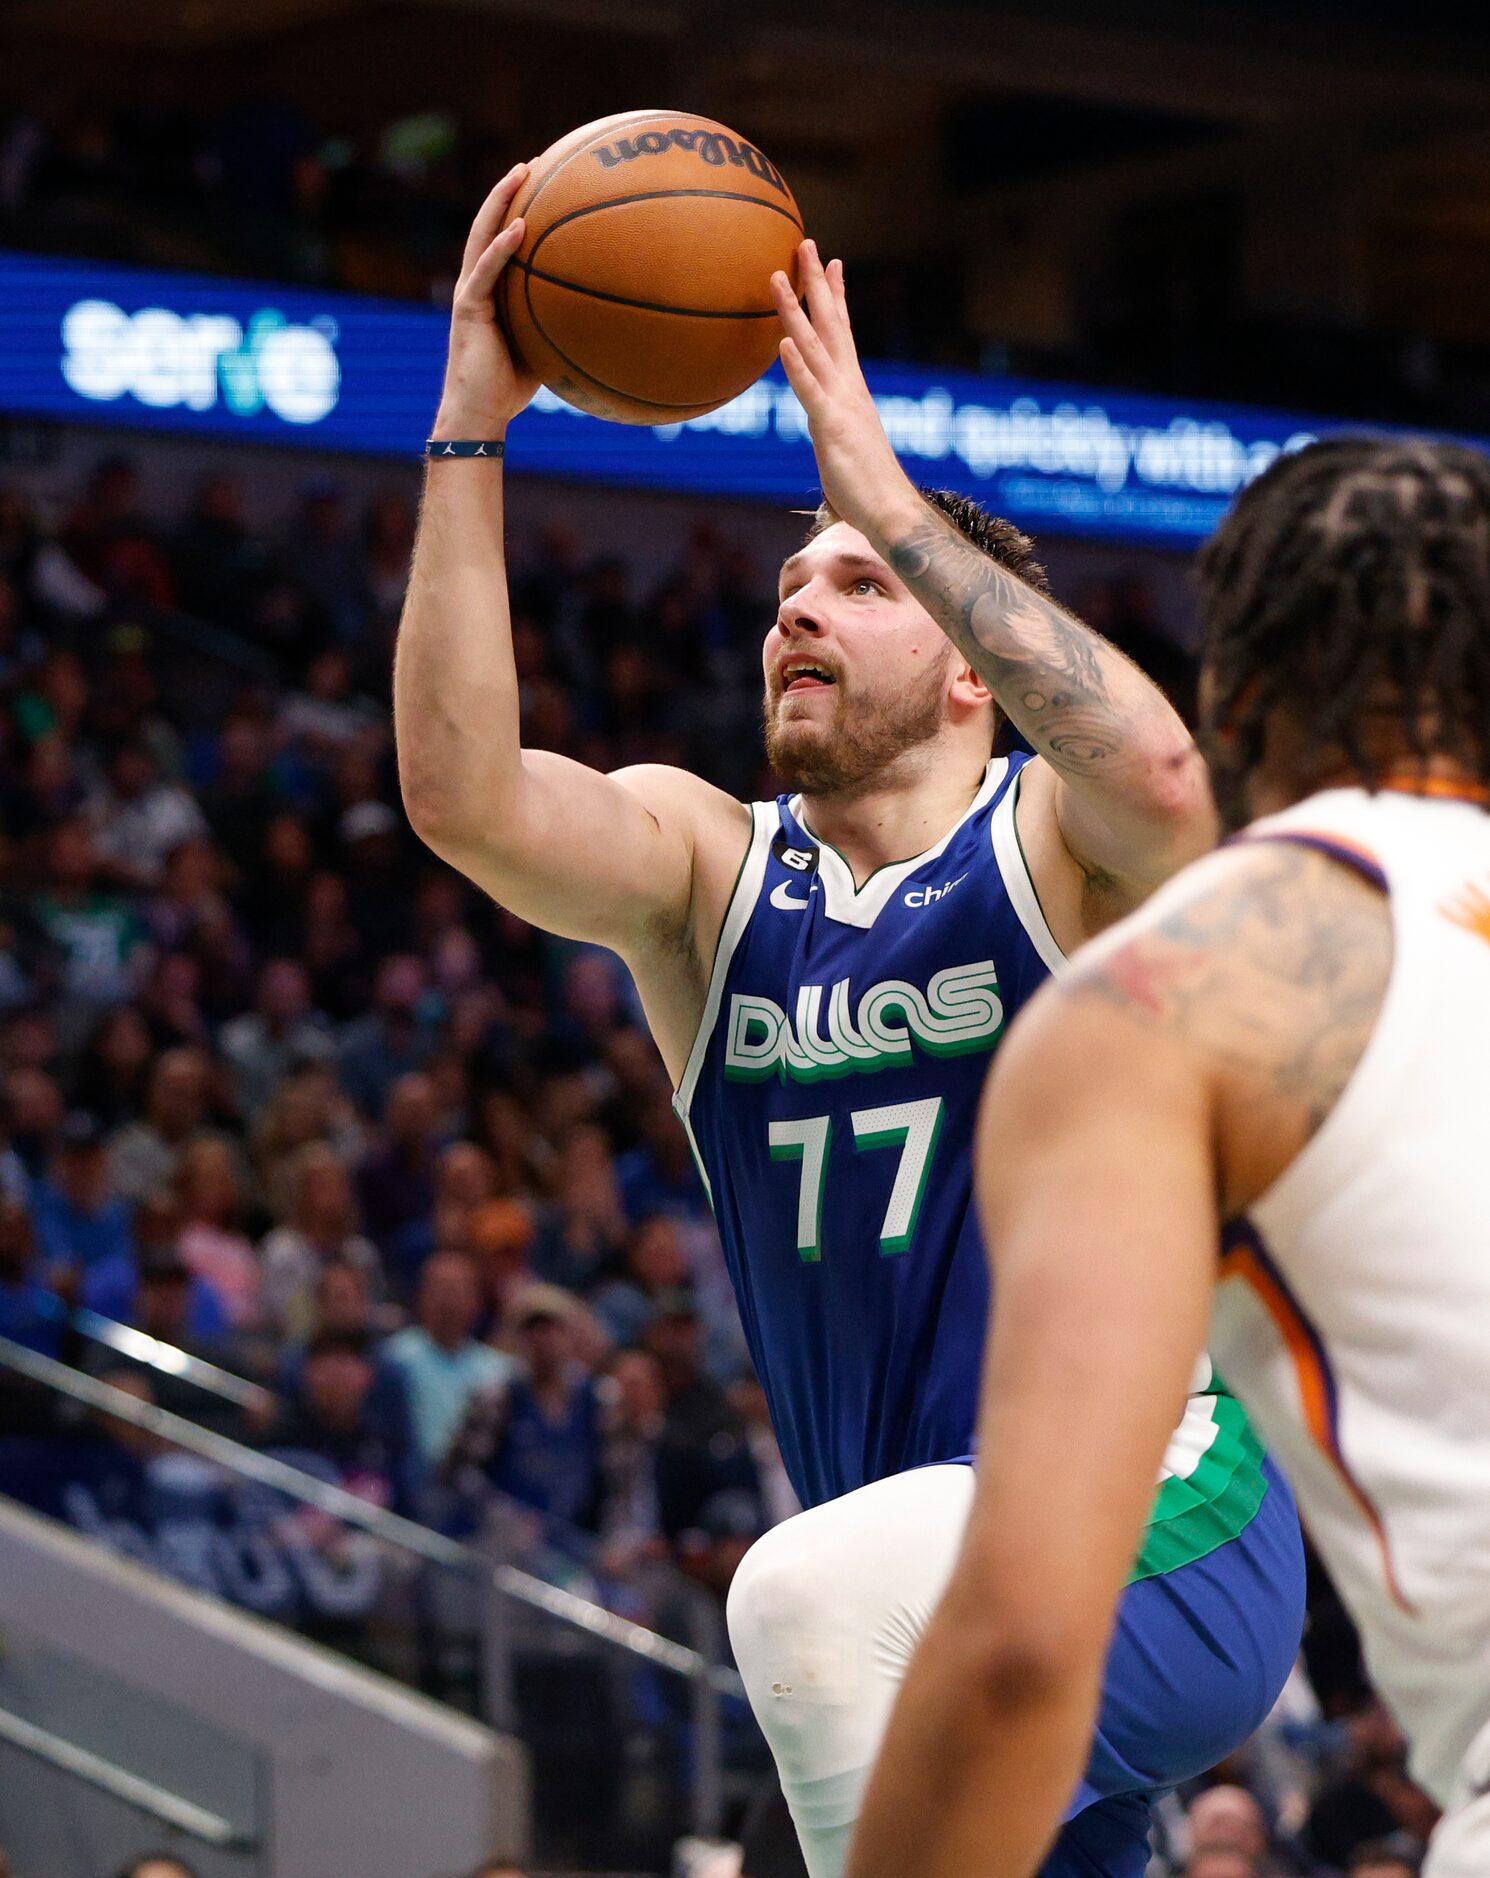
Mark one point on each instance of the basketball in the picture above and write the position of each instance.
(641, 291)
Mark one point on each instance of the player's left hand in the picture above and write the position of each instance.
(859, 471)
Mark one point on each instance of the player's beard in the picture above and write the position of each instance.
(859, 740)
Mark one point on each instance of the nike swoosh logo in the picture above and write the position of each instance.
(783, 897)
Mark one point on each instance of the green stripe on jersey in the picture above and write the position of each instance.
(1213, 1503)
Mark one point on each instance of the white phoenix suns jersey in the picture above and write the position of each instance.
(1353, 1314)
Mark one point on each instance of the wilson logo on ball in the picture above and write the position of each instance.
(709, 146)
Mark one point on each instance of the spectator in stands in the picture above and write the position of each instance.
(544, 1445)
(80, 1220)
(242, 798)
(320, 1231)
(172, 1301)
(1370, 1797)
(35, 1115)
(136, 1289)
(212, 1240)
(465, 1180)
(655, 1266)
(326, 717)
(337, 1416)
(391, 1041)
(97, 934)
(30, 1311)
(659, 1174)
(115, 1068)
(220, 567)
(140, 818)
(396, 1183)
(388, 544)
(442, 1364)
(308, 1106)
(342, 1300)
(146, 1154)
(634, 1402)
(169, 1304)
(279, 1035)
(703, 1450)
(587, 1230)
(1227, 1819)
(778, 1497)
(503, 1235)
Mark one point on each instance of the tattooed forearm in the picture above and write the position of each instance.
(1075, 698)
(1273, 967)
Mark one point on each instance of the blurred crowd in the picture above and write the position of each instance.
(279, 1089)
(249, 185)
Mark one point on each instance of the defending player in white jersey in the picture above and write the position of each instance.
(1286, 1052)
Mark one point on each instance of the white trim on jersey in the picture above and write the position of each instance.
(763, 823)
(861, 906)
(1021, 889)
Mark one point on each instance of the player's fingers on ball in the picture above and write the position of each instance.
(785, 296)
(498, 253)
(796, 324)
(815, 286)
(839, 293)
(797, 374)
(492, 213)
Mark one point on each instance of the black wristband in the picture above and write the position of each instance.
(463, 446)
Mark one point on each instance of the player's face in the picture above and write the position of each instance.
(857, 672)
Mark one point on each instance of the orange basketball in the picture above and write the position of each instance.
(641, 291)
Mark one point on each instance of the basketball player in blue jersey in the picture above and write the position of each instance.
(826, 976)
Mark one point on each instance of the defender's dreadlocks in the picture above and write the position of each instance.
(1349, 586)
(1001, 541)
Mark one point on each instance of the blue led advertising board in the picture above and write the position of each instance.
(331, 371)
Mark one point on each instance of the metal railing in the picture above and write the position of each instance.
(708, 1680)
(166, 1358)
(105, 1776)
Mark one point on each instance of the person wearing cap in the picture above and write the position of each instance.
(80, 1220)
(544, 1441)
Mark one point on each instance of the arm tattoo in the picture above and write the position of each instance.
(1054, 677)
(1273, 967)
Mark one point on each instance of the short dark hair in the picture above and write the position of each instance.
(1000, 540)
(1351, 582)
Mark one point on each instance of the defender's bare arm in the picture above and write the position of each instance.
(1165, 1082)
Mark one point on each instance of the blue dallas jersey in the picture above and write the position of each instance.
(831, 1096)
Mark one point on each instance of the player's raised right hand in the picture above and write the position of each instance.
(862, 481)
(485, 384)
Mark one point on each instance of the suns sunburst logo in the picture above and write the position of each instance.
(1471, 909)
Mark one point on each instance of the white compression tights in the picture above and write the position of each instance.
(824, 1614)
